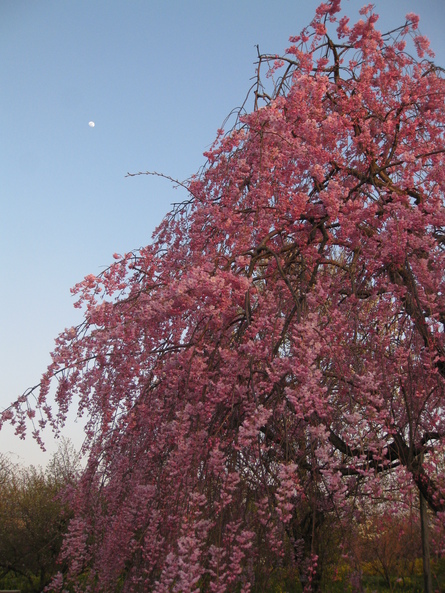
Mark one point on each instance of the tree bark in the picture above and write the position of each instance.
(427, 580)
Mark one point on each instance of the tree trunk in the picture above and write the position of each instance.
(427, 580)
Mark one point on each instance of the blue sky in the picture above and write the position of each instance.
(158, 77)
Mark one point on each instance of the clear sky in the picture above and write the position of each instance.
(158, 78)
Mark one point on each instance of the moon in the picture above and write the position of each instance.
(91, 124)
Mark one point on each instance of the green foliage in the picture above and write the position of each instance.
(33, 520)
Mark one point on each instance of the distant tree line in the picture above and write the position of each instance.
(34, 515)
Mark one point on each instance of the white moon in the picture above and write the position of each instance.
(91, 124)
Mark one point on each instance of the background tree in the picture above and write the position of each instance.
(33, 520)
(279, 347)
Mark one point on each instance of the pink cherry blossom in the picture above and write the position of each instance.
(276, 355)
